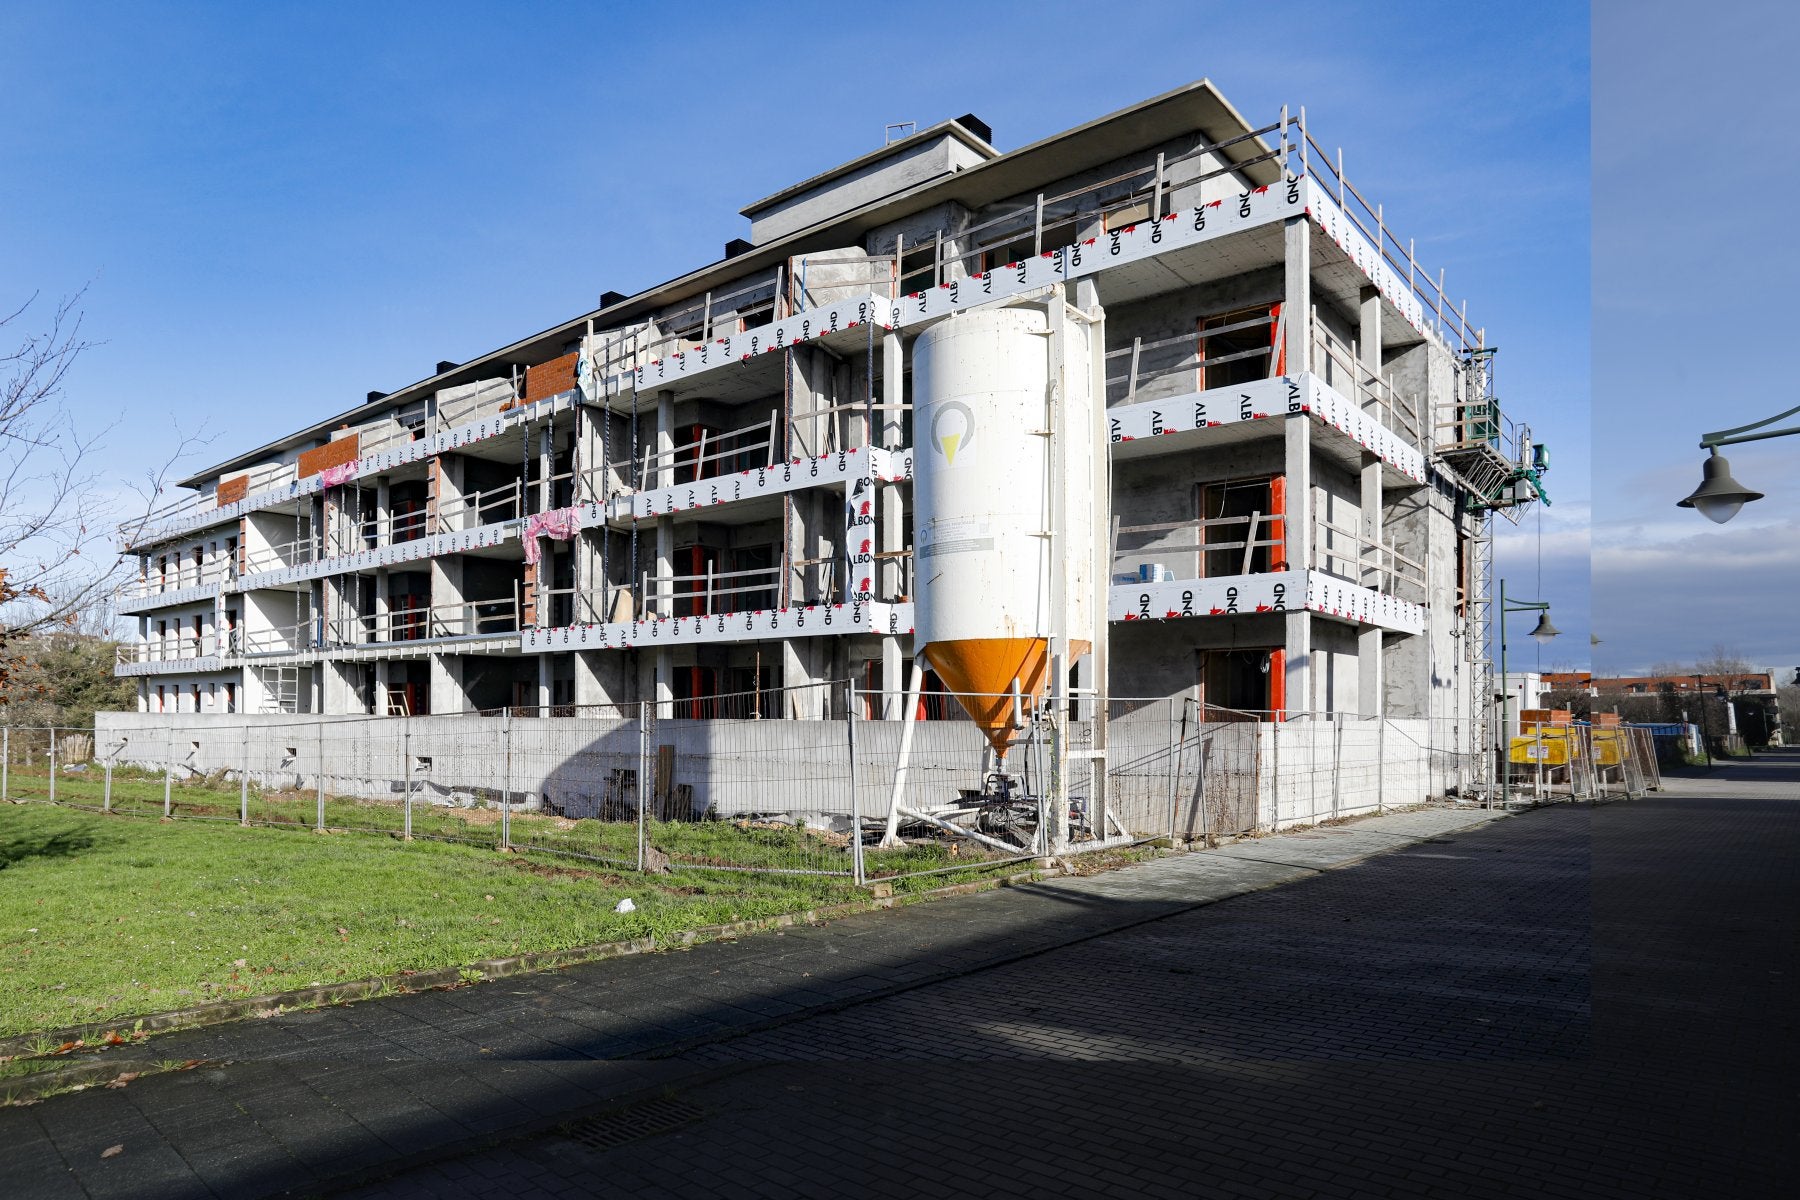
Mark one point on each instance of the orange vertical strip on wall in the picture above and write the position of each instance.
(1277, 525)
(1278, 684)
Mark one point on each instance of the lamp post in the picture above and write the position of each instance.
(1541, 633)
(1719, 496)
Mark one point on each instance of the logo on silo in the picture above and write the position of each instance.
(952, 428)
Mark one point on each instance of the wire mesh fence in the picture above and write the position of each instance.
(841, 795)
(1550, 760)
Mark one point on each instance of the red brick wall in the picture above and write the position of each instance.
(549, 379)
(331, 454)
(232, 490)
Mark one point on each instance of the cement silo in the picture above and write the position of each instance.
(993, 570)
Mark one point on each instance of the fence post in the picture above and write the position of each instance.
(1337, 762)
(244, 782)
(106, 791)
(319, 783)
(1275, 728)
(169, 775)
(53, 764)
(643, 781)
(1381, 766)
(1208, 836)
(857, 873)
(5, 760)
(506, 780)
(406, 766)
(1174, 769)
(1312, 768)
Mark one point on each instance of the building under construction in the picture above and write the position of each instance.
(1227, 441)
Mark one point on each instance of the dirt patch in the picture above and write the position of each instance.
(838, 841)
(1104, 860)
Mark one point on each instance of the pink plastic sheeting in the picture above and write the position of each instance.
(331, 477)
(558, 523)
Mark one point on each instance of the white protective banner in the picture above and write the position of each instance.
(169, 666)
(383, 556)
(1262, 399)
(1270, 592)
(169, 599)
(811, 620)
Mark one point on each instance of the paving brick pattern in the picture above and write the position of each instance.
(1574, 1002)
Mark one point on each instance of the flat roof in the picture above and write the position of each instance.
(952, 128)
(1194, 107)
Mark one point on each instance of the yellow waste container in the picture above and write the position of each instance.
(1609, 747)
(1548, 747)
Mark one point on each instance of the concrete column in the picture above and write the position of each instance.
(1369, 675)
(338, 688)
(854, 423)
(1368, 342)
(546, 467)
(446, 585)
(447, 472)
(891, 513)
(657, 681)
(1296, 304)
(665, 526)
(600, 678)
(893, 384)
(1369, 681)
(1299, 532)
(1297, 345)
(447, 695)
(893, 679)
(546, 671)
(798, 657)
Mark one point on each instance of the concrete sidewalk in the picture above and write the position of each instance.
(313, 1100)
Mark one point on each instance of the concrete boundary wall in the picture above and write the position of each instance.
(1166, 776)
(1322, 768)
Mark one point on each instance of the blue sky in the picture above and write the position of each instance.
(282, 207)
(1693, 165)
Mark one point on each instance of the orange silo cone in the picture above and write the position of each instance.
(980, 671)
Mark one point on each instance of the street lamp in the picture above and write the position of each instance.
(1541, 633)
(1719, 496)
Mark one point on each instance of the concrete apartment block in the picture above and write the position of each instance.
(700, 496)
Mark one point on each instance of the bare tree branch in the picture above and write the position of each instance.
(58, 566)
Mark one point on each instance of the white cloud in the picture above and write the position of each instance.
(1676, 598)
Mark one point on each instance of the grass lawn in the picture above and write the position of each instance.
(105, 917)
(726, 844)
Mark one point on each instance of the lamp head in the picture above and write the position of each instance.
(1544, 630)
(1719, 496)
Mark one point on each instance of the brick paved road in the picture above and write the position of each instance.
(1579, 1002)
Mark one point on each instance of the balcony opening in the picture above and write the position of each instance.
(408, 689)
(1237, 685)
(406, 510)
(1238, 526)
(409, 602)
(918, 270)
(1237, 347)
